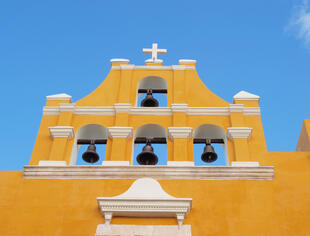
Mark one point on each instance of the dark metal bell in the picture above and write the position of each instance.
(147, 156)
(149, 100)
(208, 155)
(91, 156)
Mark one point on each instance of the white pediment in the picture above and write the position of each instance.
(243, 95)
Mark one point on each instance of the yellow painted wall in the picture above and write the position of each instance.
(226, 207)
(220, 207)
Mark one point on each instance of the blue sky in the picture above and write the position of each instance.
(49, 47)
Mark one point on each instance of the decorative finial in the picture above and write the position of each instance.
(154, 51)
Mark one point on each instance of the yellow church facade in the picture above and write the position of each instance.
(256, 192)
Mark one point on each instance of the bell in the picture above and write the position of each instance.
(91, 156)
(149, 100)
(208, 155)
(147, 156)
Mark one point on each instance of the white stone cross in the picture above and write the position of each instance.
(154, 51)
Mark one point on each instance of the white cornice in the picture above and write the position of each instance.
(105, 111)
(157, 111)
(245, 96)
(178, 107)
(119, 60)
(168, 68)
(158, 172)
(67, 107)
(59, 96)
(239, 132)
(187, 61)
(145, 198)
(61, 132)
(179, 132)
(120, 132)
(208, 111)
(236, 107)
(122, 107)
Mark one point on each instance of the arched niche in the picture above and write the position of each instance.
(211, 131)
(91, 132)
(151, 131)
(153, 82)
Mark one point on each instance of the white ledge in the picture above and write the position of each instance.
(120, 132)
(245, 96)
(59, 96)
(119, 60)
(157, 172)
(122, 107)
(145, 198)
(61, 132)
(239, 132)
(244, 163)
(67, 107)
(179, 132)
(168, 68)
(52, 163)
(115, 163)
(157, 111)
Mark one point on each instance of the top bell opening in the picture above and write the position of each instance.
(152, 92)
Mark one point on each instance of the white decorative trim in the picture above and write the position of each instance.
(120, 132)
(51, 111)
(251, 111)
(244, 163)
(61, 132)
(187, 61)
(145, 198)
(178, 67)
(157, 172)
(115, 163)
(157, 61)
(168, 68)
(52, 163)
(119, 60)
(67, 107)
(239, 132)
(178, 107)
(179, 132)
(236, 107)
(245, 96)
(59, 96)
(122, 107)
(155, 111)
(208, 111)
(180, 163)
(103, 111)
(134, 230)
(127, 67)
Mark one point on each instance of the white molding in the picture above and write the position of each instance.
(122, 107)
(51, 111)
(52, 163)
(127, 67)
(115, 163)
(155, 111)
(208, 111)
(239, 132)
(180, 163)
(67, 107)
(119, 60)
(61, 132)
(251, 111)
(180, 132)
(120, 132)
(157, 61)
(245, 163)
(246, 96)
(236, 107)
(157, 172)
(178, 107)
(187, 61)
(147, 230)
(95, 110)
(59, 96)
(145, 198)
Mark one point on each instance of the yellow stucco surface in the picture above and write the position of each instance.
(220, 207)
